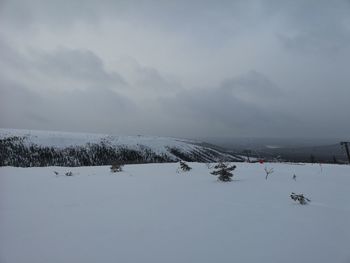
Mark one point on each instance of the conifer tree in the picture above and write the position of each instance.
(223, 171)
(184, 166)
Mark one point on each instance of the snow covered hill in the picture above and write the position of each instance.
(28, 148)
(151, 213)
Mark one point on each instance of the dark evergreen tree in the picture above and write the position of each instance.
(223, 171)
(184, 166)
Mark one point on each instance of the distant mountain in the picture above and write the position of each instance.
(332, 153)
(28, 148)
(326, 150)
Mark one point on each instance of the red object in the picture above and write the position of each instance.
(261, 161)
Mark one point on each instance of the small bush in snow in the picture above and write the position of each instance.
(209, 165)
(69, 173)
(268, 172)
(184, 166)
(300, 198)
(116, 167)
(223, 171)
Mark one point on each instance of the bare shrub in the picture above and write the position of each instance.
(268, 171)
(300, 198)
(116, 167)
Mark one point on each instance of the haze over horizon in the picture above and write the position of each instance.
(177, 68)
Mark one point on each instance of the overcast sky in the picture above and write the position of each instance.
(177, 68)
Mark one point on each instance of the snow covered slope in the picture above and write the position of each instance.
(150, 213)
(42, 148)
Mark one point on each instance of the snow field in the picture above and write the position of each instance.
(150, 213)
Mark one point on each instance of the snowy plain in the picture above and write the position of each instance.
(151, 213)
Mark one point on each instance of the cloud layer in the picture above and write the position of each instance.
(176, 68)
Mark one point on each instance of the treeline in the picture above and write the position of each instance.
(14, 151)
(208, 155)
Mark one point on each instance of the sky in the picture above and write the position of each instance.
(177, 68)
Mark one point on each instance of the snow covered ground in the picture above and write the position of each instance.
(150, 213)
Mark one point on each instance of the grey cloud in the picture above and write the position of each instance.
(90, 101)
(252, 86)
(97, 111)
(60, 67)
(63, 68)
(147, 80)
(9, 57)
(313, 26)
(231, 107)
(54, 13)
(268, 112)
(67, 12)
(150, 78)
(17, 102)
(311, 23)
(76, 64)
(36, 118)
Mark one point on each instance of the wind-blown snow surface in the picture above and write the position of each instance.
(151, 213)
